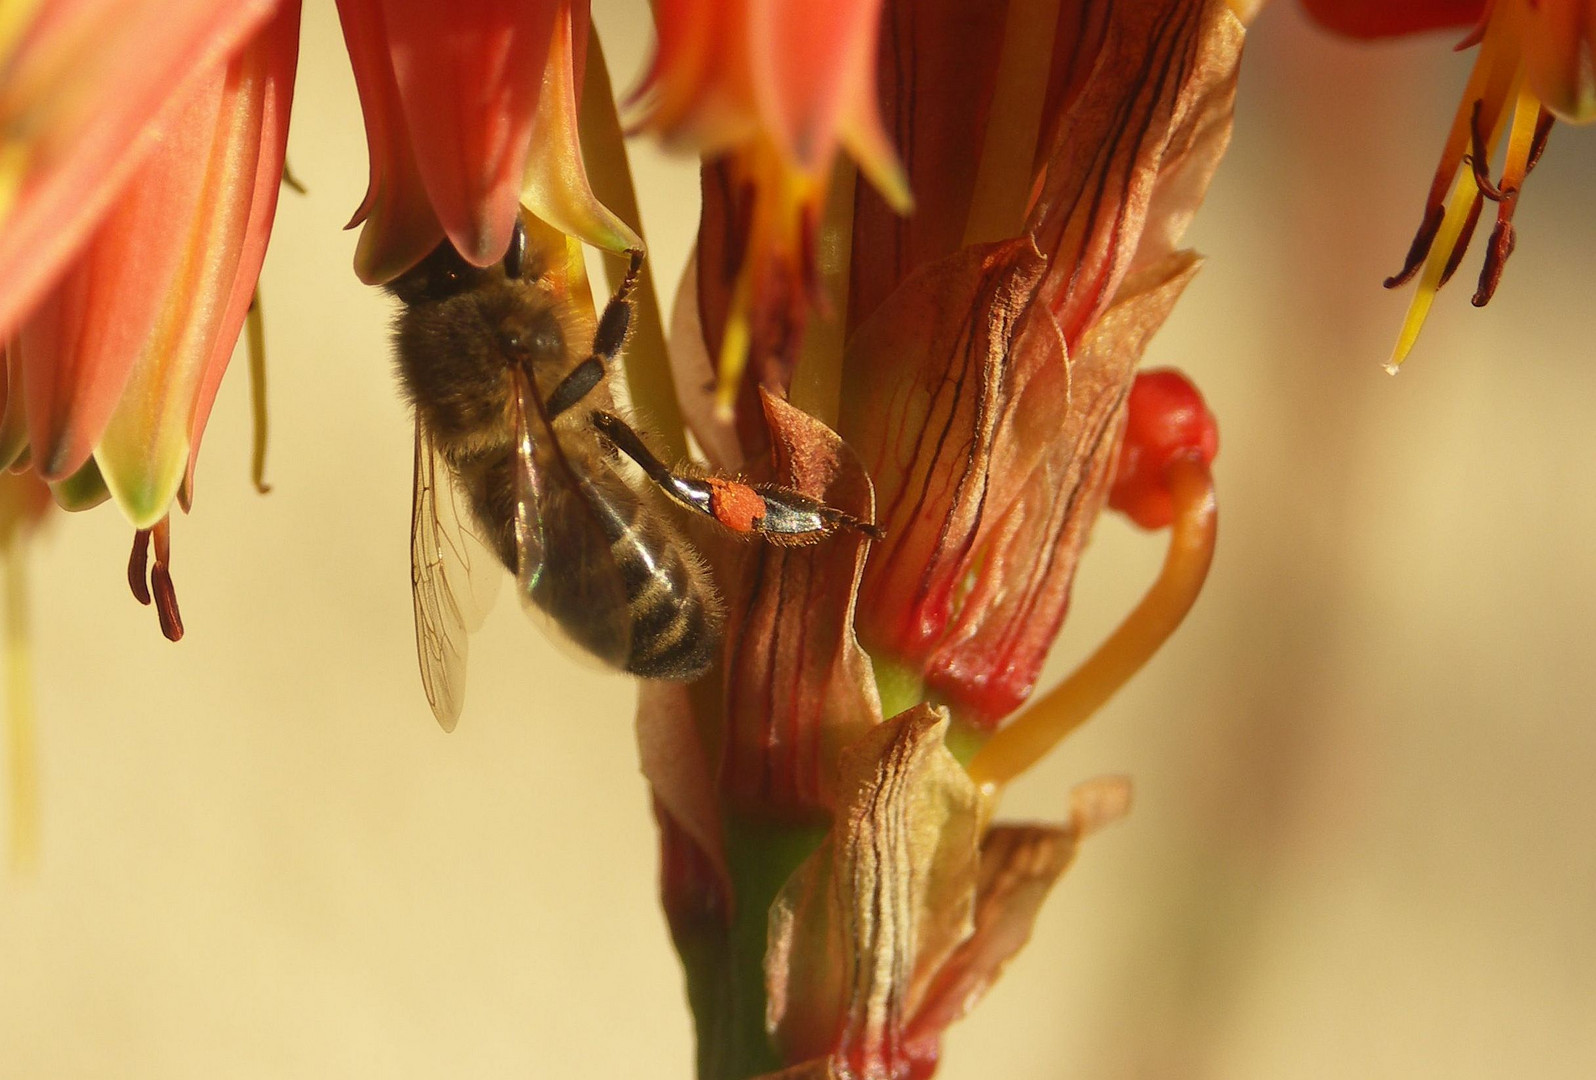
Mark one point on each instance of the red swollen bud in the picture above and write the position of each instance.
(1166, 421)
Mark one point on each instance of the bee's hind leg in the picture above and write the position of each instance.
(613, 326)
(779, 515)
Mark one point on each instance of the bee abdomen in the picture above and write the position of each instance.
(675, 614)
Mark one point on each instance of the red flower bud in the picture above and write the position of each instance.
(1165, 421)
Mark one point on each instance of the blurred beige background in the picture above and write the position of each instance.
(1363, 843)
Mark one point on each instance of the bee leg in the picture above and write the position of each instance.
(575, 386)
(616, 322)
(779, 515)
(613, 326)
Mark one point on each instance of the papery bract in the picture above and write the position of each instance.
(860, 928)
(953, 383)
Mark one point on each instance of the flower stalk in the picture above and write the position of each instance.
(1027, 738)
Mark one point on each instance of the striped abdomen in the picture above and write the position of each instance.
(616, 575)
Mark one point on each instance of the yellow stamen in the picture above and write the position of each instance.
(1003, 177)
(817, 382)
(1026, 739)
(648, 369)
(734, 343)
(1458, 205)
(1525, 116)
(255, 327)
(21, 749)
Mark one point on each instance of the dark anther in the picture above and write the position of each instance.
(166, 603)
(1543, 131)
(1480, 161)
(1420, 249)
(161, 582)
(1503, 240)
(138, 566)
(1462, 245)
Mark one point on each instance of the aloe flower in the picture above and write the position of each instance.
(770, 92)
(455, 97)
(834, 885)
(121, 358)
(1534, 66)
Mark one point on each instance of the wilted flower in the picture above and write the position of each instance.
(1535, 65)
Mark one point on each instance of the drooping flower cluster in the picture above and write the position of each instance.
(964, 377)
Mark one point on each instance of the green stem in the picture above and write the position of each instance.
(726, 977)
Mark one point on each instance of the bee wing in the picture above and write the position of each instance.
(565, 528)
(452, 582)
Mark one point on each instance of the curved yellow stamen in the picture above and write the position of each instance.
(1026, 739)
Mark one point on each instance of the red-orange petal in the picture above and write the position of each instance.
(86, 81)
(468, 75)
(400, 227)
(808, 62)
(80, 344)
(279, 45)
(1389, 18)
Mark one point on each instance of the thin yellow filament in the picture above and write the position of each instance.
(255, 326)
(21, 749)
(1458, 205)
(1027, 739)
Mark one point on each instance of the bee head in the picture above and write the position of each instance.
(439, 276)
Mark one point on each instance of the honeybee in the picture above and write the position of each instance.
(514, 417)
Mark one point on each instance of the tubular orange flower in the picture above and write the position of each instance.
(1535, 63)
(454, 97)
(123, 357)
(769, 91)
